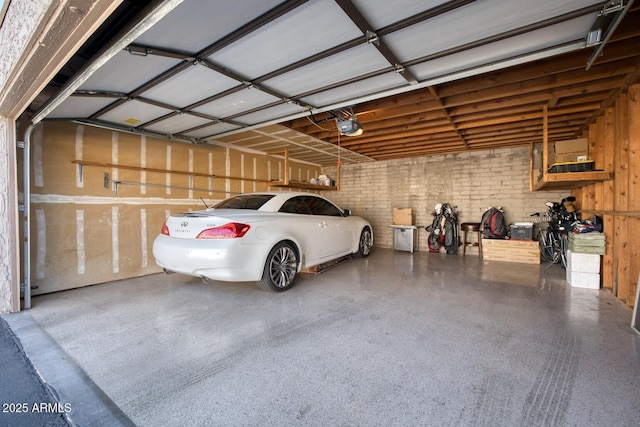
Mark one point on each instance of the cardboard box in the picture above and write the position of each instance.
(403, 216)
(571, 150)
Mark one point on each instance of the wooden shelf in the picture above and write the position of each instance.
(570, 180)
(82, 163)
(559, 181)
(302, 185)
(287, 183)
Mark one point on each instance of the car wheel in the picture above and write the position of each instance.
(280, 269)
(365, 243)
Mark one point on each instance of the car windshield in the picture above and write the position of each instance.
(245, 201)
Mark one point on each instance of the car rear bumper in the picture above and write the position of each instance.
(225, 259)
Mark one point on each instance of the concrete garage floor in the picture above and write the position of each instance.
(396, 339)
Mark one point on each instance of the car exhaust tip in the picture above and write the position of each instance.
(205, 280)
(167, 271)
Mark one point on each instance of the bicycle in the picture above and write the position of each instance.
(553, 240)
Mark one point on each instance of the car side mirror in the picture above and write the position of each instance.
(346, 212)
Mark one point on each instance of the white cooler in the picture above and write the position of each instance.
(583, 270)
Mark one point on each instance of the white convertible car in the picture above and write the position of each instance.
(264, 237)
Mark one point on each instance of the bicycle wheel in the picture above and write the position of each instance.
(556, 246)
(548, 248)
(564, 245)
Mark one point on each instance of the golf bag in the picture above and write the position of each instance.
(443, 231)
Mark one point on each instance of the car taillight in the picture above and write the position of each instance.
(231, 230)
(165, 229)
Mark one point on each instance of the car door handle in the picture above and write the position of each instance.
(322, 224)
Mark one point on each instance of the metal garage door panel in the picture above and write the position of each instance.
(236, 103)
(190, 86)
(271, 113)
(504, 49)
(134, 113)
(177, 123)
(195, 24)
(79, 107)
(299, 34)
(351, 63)
(212, 130)
(125, 72)
(357, 89)
(478, 21)
(380, 13)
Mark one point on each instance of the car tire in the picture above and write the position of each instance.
(364, 244)
(280, 269)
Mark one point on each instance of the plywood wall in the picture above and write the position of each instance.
(614, 144)
(85, 232)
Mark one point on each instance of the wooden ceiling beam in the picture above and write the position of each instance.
(403, 149)
(540, 97)
(518, 118)
(306, 125)
(525, 109)
(396, 124)
(350, 142)
(405, 152)
(532, 101)
(540, 69)
(392, 138)
(434, 92)
(420, 152)
(578, 80)
(422, 139)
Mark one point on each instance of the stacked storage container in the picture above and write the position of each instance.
(583, 259)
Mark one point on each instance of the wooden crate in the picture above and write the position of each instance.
(522, 251)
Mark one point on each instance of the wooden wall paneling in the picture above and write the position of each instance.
(608, 260)
(621, 195)
(596, 139)
(591, 197)
(621, 255)
(606, 201)
(634, 190)
(634, 147)
(634, 261)
(596, 152)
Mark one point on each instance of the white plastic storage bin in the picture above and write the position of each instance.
(583, 270)
(583, 280)
(583, 263)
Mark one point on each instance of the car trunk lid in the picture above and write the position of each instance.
(189, 225)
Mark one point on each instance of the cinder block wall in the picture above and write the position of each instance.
(471, 181)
